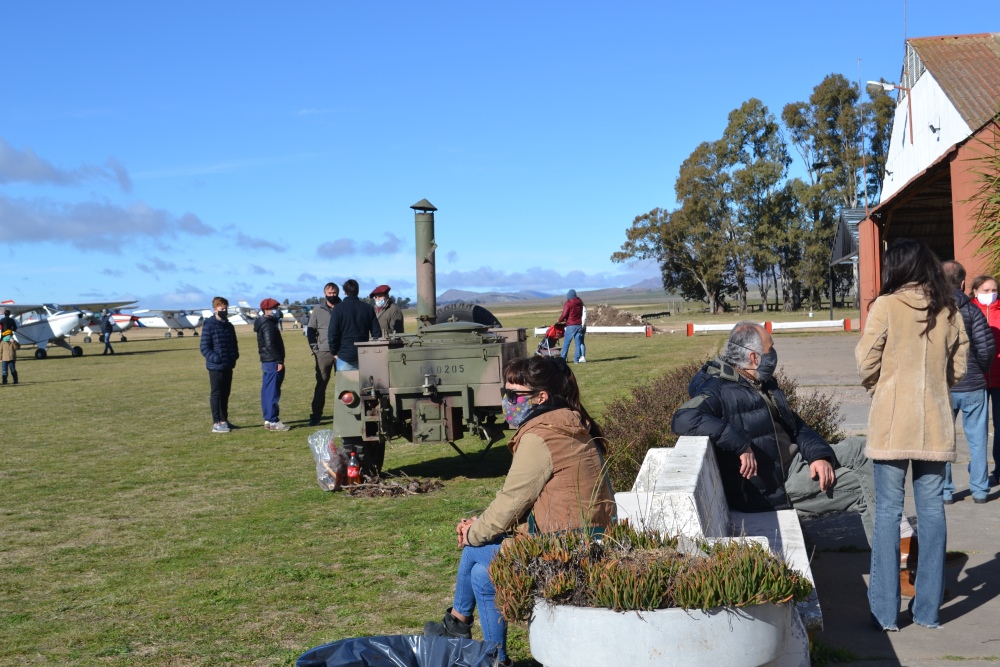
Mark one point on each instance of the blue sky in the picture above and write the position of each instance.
(174, 151)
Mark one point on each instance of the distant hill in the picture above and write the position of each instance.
(456, 295)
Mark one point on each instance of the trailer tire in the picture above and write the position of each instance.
(467, 312)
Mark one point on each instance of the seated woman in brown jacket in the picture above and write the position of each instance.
(556, 482)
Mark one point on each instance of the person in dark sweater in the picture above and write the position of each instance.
(969, 396)
(271, 348)
(352, 321)
(221, 350)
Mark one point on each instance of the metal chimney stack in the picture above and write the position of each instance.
(426, 271)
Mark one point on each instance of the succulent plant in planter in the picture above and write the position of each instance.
(632, 570)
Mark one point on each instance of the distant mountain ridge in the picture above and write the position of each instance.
(457, 295)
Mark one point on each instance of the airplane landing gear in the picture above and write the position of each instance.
(41, 354)
(180, 334)
(100, 338)
(77, 351)
(124, 339)
(86, 339)
(167, 335)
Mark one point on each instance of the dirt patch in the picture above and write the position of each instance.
(603, 315)
(375, 487)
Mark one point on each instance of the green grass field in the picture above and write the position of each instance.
(131, 535)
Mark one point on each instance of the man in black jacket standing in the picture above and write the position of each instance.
(318, 335)
(107, 326)
(352, 321)
(272, 362)
(969, 395)
(769, 458)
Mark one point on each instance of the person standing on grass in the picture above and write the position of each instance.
(969, 396)
(352, 321)
(583, 335)
(984, 293)
(7, 323)
(107, 326)
(221, 350)
(317, 333)
(8, 354)
(912, 350)
(390, 317)
(572, 317)
(271, 348)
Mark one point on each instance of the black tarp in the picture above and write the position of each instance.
(401, 651)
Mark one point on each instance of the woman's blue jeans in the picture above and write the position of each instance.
(883, 587)
(573, 333)
(473, 588)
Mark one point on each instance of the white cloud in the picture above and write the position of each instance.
(255, 243)
(347, 247)
(88, 225)
(26, 166)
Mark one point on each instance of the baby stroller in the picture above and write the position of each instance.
(549, 347)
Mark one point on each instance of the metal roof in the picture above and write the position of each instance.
(967, 67)
(845, 244)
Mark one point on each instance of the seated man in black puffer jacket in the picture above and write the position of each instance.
(769, 459)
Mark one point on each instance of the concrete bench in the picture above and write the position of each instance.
(679, 491)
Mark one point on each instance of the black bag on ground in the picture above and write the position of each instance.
(401, 651)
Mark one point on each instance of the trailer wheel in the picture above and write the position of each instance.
(466, 312)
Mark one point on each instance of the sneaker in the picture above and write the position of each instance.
(448, 627)
(277, 426)
(229, 425)
(583, 360)
(220, 428)
(267, 425)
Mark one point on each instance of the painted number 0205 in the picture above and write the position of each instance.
(443, 369)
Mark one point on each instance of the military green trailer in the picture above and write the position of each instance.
(432, 386)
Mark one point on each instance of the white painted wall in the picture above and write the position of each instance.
(930, 107)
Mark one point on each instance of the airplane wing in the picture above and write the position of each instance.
(20, 308)
(97, 306)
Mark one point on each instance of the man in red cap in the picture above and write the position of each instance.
(272, 362)
(390, 317)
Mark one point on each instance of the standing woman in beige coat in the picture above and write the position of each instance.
(912, 350)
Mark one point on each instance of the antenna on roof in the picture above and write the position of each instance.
(864, 162)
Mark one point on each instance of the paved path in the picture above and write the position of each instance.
(970, 631)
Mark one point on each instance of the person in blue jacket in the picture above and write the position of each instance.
(221, 350)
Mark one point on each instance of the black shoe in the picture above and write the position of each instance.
(314, 421)
(949, 501)
(448, 627)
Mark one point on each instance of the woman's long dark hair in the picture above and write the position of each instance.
(908, 262)
(554, 376)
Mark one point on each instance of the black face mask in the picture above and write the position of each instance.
(223, 314)
(767, 365)
(333, 300)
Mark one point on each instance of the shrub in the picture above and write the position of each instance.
(641, 420)
(820, 411)
(634, 423)
(631, 570)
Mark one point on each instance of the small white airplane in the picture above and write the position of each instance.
(238, 315)
(122, 323)
(171, 320)
(47, 324)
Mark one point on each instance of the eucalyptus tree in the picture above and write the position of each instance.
(690, 243)
(753, 151)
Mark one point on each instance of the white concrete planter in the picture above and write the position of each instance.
(567, 636)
